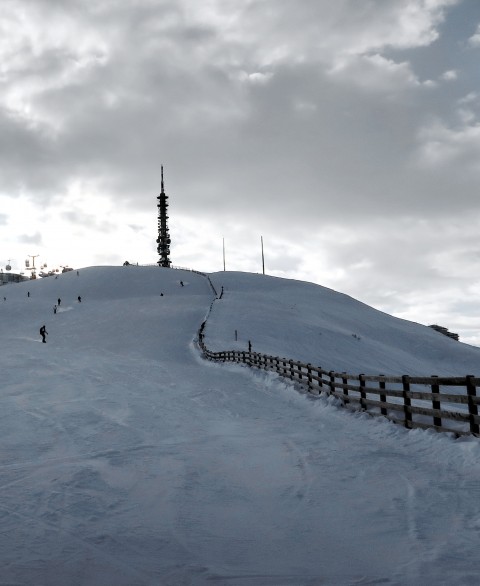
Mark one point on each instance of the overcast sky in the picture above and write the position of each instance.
(345, 133)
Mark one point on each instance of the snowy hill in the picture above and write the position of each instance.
(314, 324)
(282, 317)
(125, 458)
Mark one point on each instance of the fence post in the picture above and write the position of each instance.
(363, 395)
(332, 382)
(309, 377)
(437, 421)
(300, 366)
(472, 406)
(383, 397)
(292, 375)
(284, 362)
(345, 382)
(407, 403)
(320, 382)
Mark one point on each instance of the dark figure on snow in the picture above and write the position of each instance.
(79, 299)
(181, 283)
(59, 301)
(28, 293)
(54, 309)
(43, 333)
(249, 346)
(201, 333)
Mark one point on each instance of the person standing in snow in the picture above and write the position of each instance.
(43, 333)
(79, 299)
(59, 301)
(54, 309)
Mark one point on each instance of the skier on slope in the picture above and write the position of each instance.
(43, 333)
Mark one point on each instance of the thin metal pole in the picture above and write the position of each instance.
(33, 257)
(263, 258)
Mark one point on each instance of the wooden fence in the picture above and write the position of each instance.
(448, 404)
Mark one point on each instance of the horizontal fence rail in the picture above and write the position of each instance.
(448, 404)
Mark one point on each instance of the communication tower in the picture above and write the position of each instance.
(163, 240)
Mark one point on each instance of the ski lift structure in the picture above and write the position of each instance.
(31, 268)
(10, 277)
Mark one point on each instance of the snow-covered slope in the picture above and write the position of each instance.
(122, 310)
(126, 459)
(314, 324)
(279, 316)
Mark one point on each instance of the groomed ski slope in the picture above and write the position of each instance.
(303, 321)
(126, 459)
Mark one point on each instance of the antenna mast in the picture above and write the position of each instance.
(163, 239)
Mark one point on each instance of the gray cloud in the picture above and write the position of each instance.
(31, 238)
(344, 132)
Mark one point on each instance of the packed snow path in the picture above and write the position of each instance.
(126, 459)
